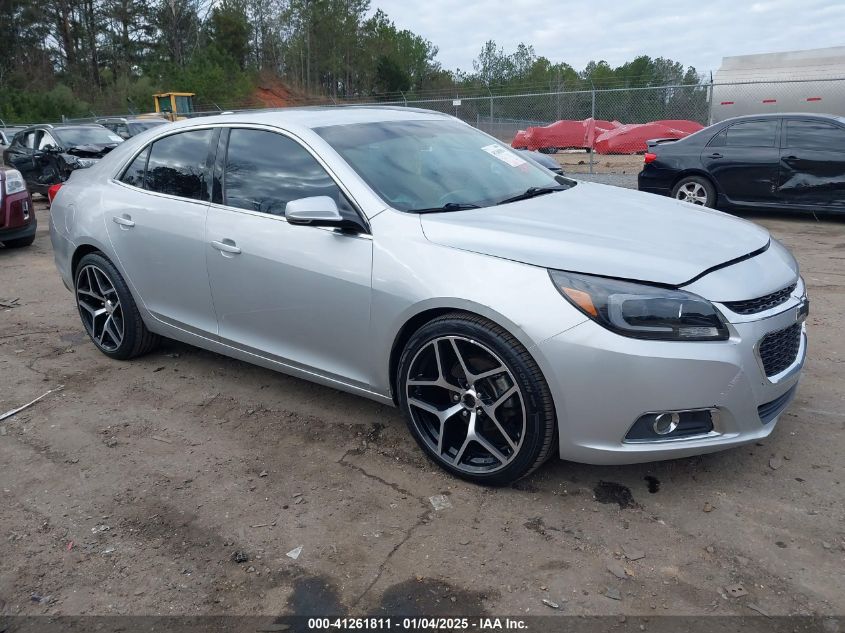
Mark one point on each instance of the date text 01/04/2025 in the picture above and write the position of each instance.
(416, 624)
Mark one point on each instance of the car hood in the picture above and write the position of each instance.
(602, 230)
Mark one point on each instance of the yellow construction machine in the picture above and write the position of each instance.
(175, 106)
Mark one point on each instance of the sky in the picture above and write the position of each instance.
(696, 33)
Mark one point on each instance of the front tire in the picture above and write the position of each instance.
(695, 190)
(108, 311)
(475, 400)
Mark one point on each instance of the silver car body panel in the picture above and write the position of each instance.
(329, 306)
(606, 230)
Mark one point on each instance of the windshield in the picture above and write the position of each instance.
(136, 127)
(73, 136)
(423, 165)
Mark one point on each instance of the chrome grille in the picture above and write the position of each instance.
(752, 306)
(778, 350)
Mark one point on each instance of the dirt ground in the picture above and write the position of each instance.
(578, 162)
(178, 484)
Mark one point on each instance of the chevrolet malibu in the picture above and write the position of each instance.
(401, 255)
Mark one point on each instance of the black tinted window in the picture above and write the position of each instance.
(815, 135)
(134, 174)
(177, 164)
(264, 171)
(753, 134)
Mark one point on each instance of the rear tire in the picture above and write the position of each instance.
(20, 242)
(475, 400)
(108, 311)
(696, 190)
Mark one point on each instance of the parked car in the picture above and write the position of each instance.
(129, 127)
(47, 154)
(6, 135)
(17, 215)
(404, 256)
(792, 162)
(545, 161)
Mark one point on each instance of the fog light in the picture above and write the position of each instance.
(665, 423)
(659, 426)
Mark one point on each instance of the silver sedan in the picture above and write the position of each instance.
(401, 255)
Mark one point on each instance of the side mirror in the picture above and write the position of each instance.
(315, 211)
(124, 135)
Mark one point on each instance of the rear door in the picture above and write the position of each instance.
(812, 164)
(743, 160)
(157, 228)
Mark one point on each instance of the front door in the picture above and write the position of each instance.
(812, 164)
(743, 160)
(296, 294)
(21, 156)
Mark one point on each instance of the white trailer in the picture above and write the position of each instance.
(796, 81)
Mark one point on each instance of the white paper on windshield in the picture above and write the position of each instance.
(497, 151)
(115, 138)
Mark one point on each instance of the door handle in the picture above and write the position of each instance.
(124, 221)
(790, 158)
(226, 246)
(716, 155)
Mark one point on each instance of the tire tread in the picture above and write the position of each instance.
(545, 402)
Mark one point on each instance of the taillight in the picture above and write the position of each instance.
(649, 158)
(52, 191)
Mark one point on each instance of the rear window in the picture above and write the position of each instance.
(93, 135)
(136, 127)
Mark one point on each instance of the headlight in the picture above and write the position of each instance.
(642, 311)
(82, 163)
(14, 182)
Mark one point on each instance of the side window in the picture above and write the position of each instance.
(752, 134)
(28, 140)
(719, 139)
(264, 171)
(815, 135)
(46, 141)
(134, 174)
(177, 164)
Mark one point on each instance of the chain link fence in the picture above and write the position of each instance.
(612, 142)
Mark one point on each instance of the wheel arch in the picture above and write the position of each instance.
(426, 313)
(81, 251)
(694, 171)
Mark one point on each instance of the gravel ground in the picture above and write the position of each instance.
(186, 483)
(617, 180)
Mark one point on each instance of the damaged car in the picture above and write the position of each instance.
(790, 162)
(47, 154)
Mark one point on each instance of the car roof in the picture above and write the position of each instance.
(59, 126)
(321, 116)
(780, 115)
(132, 119)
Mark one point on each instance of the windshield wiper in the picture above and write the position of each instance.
(449, 206)
(533, 192)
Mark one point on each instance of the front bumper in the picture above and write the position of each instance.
(19, 232)
(603, 382)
